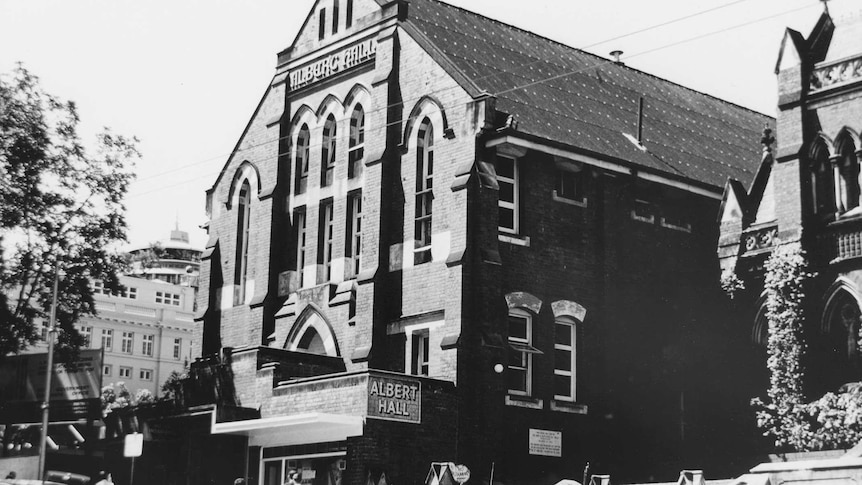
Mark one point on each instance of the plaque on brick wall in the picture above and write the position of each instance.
(546, 443)
(394, 399)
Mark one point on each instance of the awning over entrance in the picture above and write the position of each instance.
(295, 429)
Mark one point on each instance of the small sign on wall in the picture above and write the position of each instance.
(546, 443)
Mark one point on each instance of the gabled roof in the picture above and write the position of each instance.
(569, 96)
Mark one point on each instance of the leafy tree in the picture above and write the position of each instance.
(60, 205)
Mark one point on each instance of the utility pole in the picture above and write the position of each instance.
(49, 372)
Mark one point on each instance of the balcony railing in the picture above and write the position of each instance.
(842, 240)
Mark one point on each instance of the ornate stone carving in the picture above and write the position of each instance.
(840, 72)
(760, 239)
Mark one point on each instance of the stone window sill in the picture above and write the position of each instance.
(565, 200)
(515, 239)
(524, 402)
(568, 407)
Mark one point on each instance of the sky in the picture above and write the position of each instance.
(184, 76)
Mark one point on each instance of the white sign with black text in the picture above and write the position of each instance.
(546, 443)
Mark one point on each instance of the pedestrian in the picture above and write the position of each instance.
(11, 475)
(292, 478)
(105, 478)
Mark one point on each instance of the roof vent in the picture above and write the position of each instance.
(616, 55)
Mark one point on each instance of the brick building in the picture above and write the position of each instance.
(443, 238)
(806, 192)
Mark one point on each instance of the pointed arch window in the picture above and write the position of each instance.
(822, 180)
(311, 341)
(424, 191)
(841, 337)
(356, 143)
(760, 330)
(327, 160)
(242, 233)
(848, 170)
(301, 159)
(311, 333)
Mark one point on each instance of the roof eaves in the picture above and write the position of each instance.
(609, 163)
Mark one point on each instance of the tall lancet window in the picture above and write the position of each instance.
(327, 160)
(424, 191)
(300, 159)
(822, 180)
(848, 167)
(242, 224)
(356, 143)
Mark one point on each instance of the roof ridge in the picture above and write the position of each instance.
(607, 61)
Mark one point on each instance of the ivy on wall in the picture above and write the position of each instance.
(835, 420)
(782, 417)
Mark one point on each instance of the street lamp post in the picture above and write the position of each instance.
(49, 371)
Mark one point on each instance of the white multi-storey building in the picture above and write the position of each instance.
(146, 330)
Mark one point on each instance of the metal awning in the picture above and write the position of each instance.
(294, 429)
(522, 347)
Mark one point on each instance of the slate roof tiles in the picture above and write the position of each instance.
(577, 99)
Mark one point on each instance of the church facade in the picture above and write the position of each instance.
(441, 238)
(806, 193)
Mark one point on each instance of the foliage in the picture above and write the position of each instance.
(60, 206)
(172, 389)
(783, 418)
(730, 283)
(834, 420)
(118, 397)
(144, 396)
(838, 419)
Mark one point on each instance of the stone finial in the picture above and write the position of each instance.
(767, 140)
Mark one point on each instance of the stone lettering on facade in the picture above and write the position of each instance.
(333, 64)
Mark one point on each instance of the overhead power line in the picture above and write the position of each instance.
(498, 93)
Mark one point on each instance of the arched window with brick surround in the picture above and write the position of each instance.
(839, 349)
(848, 170)
(312, 333)
(243, 212)
(424, 191)
(327, 159)
(523, 310)
(300, 159)
(568, 316)
(356, 142)
(519, 372)
(822, 179)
